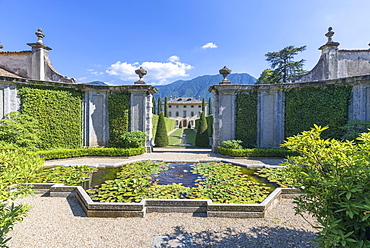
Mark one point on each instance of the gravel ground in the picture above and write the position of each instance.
(60, 222)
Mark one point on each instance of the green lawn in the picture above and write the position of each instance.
(175, 137)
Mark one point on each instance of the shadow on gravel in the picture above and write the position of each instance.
(257, 237)
(75, 207)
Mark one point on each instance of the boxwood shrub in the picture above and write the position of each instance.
(256, 152)
(82, 152)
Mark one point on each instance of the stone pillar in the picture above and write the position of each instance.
(141, 115)
(11, 101)
(96, 132)
(359, 108)
(330, 51)
(39, 52)
(270, 118)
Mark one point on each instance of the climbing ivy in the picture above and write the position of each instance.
(323, 106)
(58, 112)
(119, 115)
(246, 119)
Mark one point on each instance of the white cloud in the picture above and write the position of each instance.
(174, 58)
(158, 72)
(209, 45)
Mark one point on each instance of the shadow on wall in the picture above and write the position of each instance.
(256, 237)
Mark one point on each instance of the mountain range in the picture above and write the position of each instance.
(198, 87)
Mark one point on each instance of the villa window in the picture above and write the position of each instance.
(169, 106)
(177, 106)
(192, 106)
(184, 114)
(177, 113)
(192, 113)
(199, 106)
(169, 114)
(184, 106)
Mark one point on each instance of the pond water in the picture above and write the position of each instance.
(177, 173)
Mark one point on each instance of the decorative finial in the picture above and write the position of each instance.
(39, 35)
(141, 72)
(224, 72)
(330, 34)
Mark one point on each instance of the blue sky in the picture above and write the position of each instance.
(178, 39)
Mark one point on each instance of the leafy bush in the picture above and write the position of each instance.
(335, 179)
(256, 152)
(161, 137)
(110, 152)
(232, 144)
(246, 119)
(202, 138)
(133, 139)
(20, 129)
(353, 129)
(118, 115)
(16, 167)
(58, 112)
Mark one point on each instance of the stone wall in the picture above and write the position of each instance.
(95, 107)
(271, 108)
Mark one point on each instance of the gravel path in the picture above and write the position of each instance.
(60, 222)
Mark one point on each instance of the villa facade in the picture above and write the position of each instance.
(185, 110)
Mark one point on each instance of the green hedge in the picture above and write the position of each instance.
(170, 124)
(256, 152)
(323, 106)
(119, 115)
(71, 153)
(246, 119)
(58, 112)
(209, 119)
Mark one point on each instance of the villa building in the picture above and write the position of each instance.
(185, 110)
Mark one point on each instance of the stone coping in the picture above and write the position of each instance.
(203, 206)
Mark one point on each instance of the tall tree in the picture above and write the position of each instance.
(210, 106)
(268, 76)
(153, 102)
(166, 107)
(202, 138)
(159, 105)
(161, 137)
(203, 106)
(283, 64)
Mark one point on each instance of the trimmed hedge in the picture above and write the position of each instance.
(209, 124)
(119, 116)
(170, 124)
(58, 112)
(246, 119)
(82, 152)
(256, 152)
(323, 106)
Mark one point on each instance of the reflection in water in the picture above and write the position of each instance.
(177, 173)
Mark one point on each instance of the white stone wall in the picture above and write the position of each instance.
(18, 63)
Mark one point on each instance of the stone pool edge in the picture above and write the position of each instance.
(200, 206)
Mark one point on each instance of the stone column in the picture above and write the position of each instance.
(270, 118)
(39, 52)
(359, 108)
(95, 127)
(141, 114)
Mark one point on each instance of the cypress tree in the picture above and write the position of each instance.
(180, 125)
(166, 107)
(210, 106)
(161, 137)
(159, 105)
(189, 125)
(203, 106)
(153, 102)
(202, 139)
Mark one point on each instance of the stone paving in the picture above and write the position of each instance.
(167, 154)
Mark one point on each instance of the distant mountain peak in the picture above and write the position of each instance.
(198, 87)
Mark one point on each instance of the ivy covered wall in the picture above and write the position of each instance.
(59, 113)
(246, 119)
(118, 115)
(323, 106)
